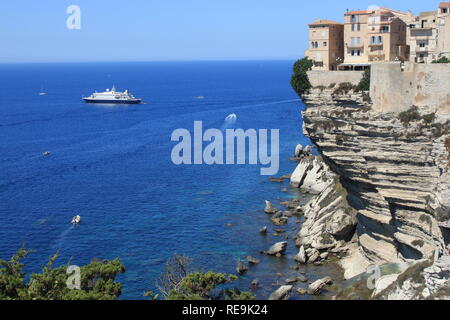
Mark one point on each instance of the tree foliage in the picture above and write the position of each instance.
(181, 282)
(442, 60)
(364, 84)
(97, 280)
(299, 80)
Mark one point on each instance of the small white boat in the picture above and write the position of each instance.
(76, 220)
(42, 92)
(46, 153)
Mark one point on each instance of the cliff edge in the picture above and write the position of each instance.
(383, 186)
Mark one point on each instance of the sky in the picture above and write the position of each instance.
(169, 30)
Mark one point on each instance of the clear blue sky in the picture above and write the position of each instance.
(147, 30)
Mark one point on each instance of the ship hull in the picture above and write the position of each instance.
(134, 101)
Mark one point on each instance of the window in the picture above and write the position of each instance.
(353, 53)
(324, 43)
(353, 27)
(359, 27)
(384, 29)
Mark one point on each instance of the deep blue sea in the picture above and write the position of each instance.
(112, 166)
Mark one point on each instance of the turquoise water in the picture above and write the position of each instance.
(112, 166)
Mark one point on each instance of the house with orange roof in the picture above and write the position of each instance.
(326, 44)
(372, 36)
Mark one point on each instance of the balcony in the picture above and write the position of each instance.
(376, 44)
(355, 45)
(377, 56)
(422, 49)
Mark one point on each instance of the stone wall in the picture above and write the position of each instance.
(423, 85)
(326, 78)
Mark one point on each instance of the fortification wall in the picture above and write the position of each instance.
(426, 86)
(326, 78)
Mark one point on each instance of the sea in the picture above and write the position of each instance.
(112, 165)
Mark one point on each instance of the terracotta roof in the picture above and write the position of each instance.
(359, 12)
(444, 5)
(324, 22)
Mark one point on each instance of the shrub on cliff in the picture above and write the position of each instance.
(412, 114)
(299, 80)
(441, 60)
(97, 281)
(181, 282)
(364, 84)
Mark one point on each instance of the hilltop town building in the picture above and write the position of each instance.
(430, 35)
(326, 44)
(373, 36)
(379, 35)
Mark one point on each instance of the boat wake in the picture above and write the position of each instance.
(62, 237)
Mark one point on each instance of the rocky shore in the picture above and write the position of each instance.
(381, 189)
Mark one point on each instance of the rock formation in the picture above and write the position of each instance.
(381, 183)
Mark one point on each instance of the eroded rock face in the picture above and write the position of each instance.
(329, 217)
(422, 280)
(388, 182)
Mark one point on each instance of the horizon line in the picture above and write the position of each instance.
(151, 61)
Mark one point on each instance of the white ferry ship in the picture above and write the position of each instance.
(112, 97)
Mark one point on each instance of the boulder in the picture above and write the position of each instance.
(308, 150)
(316, 286)
(291, 280)
(270, 209)
(255, 283)
(263, 230)
(241, 268)
(301, 256)
(302, 278)
(282, 293)
(301, 291)
(277, 248)
(298, 150)
(300, 172)
(252, 260)
(313, 256)
(324, 255)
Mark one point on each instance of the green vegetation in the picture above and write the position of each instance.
(429, 118)
(181, 282)
(97, 280)
(299, 80)
(364, 84)
(441, 60)
(412, 114)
